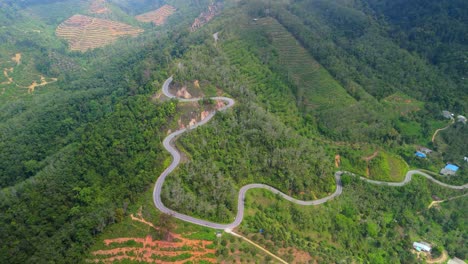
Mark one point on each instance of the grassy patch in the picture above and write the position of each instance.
(387, 167)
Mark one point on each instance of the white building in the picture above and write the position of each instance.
(461, 119)
(421, 246)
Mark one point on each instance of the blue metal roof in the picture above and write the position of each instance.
(451, 167)
(420, 154)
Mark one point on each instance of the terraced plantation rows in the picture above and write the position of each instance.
(84, 32)
(158, 16)
(316, 88)
(268, 87)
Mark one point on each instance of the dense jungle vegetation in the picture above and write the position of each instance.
(312, 79)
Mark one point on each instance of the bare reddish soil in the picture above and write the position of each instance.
(157, 17)
(205, 17)
(155, 251)
(84, 32)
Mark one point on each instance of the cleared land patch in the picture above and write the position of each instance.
(84, 32)
(158, 16)
(179, 250)
(205, 17)
(43, 82)
(99, 7)
(14, 74)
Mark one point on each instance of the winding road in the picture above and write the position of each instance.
(242, 193)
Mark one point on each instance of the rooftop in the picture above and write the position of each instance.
(451, 167)
(420, 154)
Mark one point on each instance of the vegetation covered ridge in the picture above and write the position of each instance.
(168, 145)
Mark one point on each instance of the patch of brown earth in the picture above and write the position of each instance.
(219, 104)
(440, 259)
(369, 158)
(205, 17)
(196, 83)
(140, 219)
(33, 86)
(192, 122)
(337, 160)
(152, 251)
(183, 93)
(17, 58)
(157, 17)
(204, 114)
(84, 32)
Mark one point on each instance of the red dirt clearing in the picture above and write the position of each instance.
(153, 251)
(84, 32)
(148, 250)
(158, 16)
(205, 17)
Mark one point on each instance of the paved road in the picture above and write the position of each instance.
(240, 203)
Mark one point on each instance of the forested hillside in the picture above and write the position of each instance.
(319, 86)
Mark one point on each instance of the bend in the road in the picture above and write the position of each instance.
(242, 193)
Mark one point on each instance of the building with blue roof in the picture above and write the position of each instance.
(450, 169)
(420, 155)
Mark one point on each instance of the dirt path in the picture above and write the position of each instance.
(33, 86)
(369, 158)
(6, 71)
(256, 245)
(17, 58)
(337, 160)
(440, 129)
(9, 79)
(433, 203)
(142, 220)
(440, 259)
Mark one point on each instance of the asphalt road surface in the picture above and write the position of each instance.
(240, 202)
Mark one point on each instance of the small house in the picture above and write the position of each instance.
(447, 114)
(450, 169)
(425, 150)
(420, 155)
(461, 119)
(421, 246)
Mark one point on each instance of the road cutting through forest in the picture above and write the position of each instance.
(169, 146)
